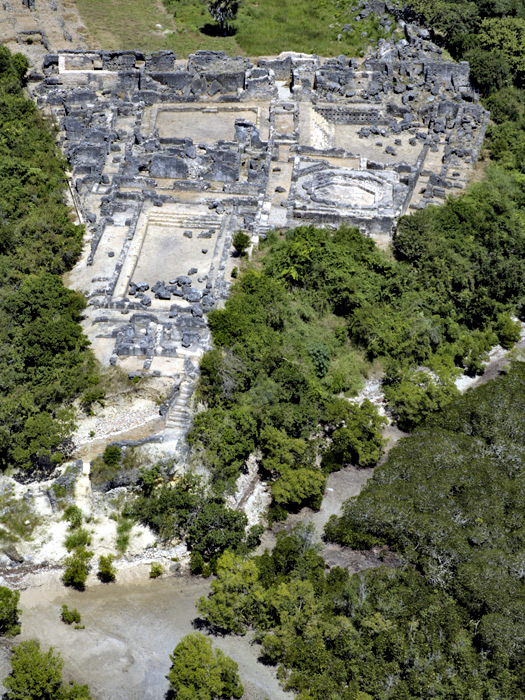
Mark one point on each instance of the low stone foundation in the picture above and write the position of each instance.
(169, 158)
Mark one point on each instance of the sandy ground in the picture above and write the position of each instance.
(131, 628)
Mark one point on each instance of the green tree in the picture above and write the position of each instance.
(222, 11)
(506, 35)
(241, 242)
(37, 675)
(200, 673)
(112, 455)
(236, 594)
(357, 438)
(215, 529)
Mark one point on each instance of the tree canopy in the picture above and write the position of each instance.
(199, 672)
(37, 675)
(45, 360)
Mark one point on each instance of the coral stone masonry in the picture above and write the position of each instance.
(169, 158)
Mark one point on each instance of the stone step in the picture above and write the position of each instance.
(183, 221)
(179, 415)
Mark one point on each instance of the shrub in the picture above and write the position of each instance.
(74, 515)
(37, 675)
(167, 510)
(77, 568)
(215, 529)
(156, 570)
(198, 566)
(241, 242)
(70, 616)
(508, 331)
(60, 490)
(124, 527)
(112, 455)
(107, 573)
(198, 671)
(77, 538)
(9, 612)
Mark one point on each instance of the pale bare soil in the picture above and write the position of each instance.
(131, 628)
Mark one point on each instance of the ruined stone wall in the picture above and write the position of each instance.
(169, 158)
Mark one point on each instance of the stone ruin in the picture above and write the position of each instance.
(169, 158)
(36, 27)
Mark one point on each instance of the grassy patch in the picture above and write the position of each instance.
(17, 519)
(124, 526)
(310, 26)
(79, 537)
(102, 472)
(125, 24)
(260, 29)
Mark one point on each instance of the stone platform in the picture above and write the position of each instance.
(169, 158)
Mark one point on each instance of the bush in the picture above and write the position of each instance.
(198, 566)
(156, 570)
(77, 568)
(198, 671)
(124, 527)
(508, 331)
(215, 529)
(70, 616)
(37, 675)
(167, 510)
(9, 612)
(414, 394)
(77, 538)
(107, 573)
(112, 455)
(241, 242)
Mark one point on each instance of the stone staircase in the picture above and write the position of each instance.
(178, 418)
(183, 220)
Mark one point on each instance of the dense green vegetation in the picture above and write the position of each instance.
(107, 572)
(449, 623)
(303, 323)
(45, 361)
(185, 509)
(386, 633)
(199, 672)
(37, 675)
(77, 568)
(450, 498)
(9, 612)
